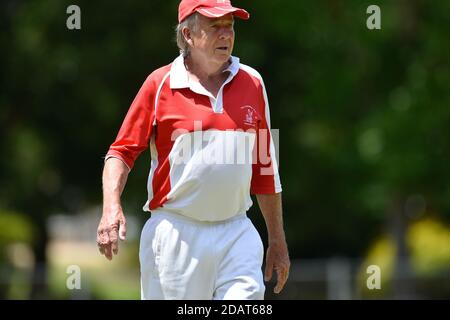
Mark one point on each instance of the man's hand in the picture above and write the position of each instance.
(277, 258)
(112, 227)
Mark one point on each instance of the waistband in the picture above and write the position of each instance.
(182, 218)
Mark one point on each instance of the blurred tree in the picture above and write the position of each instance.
(14, 228)
(363, 115)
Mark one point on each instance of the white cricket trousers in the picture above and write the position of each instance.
(185, 259)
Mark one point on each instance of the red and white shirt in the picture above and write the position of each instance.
(207, 153)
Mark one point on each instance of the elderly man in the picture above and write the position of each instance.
(200, 115)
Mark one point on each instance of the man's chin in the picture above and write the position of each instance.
(223, 57)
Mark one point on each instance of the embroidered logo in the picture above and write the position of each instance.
(250, 116)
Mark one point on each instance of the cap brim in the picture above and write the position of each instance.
(217, 12)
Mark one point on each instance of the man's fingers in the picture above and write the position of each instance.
(281, 281)
(102, 240)
(108, 252)
(108, 235)
(268, 270)
(123, 230)
(282, 276)
(113, 238)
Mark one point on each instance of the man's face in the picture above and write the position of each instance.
(213, 39)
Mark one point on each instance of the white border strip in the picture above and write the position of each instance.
(158, 93)
(213, 14)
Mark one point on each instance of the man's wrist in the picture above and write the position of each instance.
(114, 206)
(277, 238)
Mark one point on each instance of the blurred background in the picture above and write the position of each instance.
(364, 120)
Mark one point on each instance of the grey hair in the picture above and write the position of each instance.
(191, 23)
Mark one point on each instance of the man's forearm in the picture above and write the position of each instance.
(271, 208)
(112, 225)
(115, 174)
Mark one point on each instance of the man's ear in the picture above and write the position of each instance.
(187, 34)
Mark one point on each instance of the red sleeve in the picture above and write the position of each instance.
(265, 178)
(136, 130)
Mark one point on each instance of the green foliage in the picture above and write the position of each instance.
(14, 227)
(363, 115)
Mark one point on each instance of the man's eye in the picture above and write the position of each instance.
(215, 27)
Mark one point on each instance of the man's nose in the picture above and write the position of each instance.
(225, 33)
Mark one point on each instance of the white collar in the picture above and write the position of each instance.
(179, 76)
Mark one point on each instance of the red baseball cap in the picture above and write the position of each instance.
(210, 9)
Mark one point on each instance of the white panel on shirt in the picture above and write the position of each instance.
(210, 176)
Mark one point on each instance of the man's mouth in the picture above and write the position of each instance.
(222, 48)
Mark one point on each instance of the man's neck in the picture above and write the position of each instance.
(205, 71)
(209, 76)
